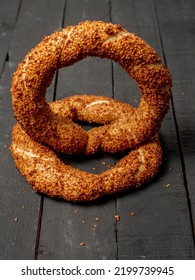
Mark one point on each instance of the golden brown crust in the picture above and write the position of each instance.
(109, 113)
(121, 127)
(68, 46)
(47, 174)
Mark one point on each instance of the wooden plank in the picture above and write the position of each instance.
(20, 206)
(8, 16)
(178, 42)
(66, 225)
(161, 227)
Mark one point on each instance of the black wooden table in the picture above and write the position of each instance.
(33, 226)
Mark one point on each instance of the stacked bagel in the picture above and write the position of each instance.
(46, 129)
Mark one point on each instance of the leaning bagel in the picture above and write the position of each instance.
(47, 174)
(110, 114)
(68, 46)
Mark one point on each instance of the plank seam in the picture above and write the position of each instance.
(113, 91)
(39, 228)
(177, 133)
(116, 229)
(183, 169)
(18, 11)
(57, 72)
(8, 47)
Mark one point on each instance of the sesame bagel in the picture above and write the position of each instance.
(48, 174)
(68, 46)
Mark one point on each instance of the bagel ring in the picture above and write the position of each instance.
(47, 174)
(68, 46)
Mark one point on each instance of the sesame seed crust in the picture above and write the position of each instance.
(46, 128)
(47, 174)
(68, 46)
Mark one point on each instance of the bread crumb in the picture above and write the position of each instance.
(132, 214)
(82, 243)
(117, 217)
(94, 226)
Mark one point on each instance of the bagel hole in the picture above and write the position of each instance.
(125, 88)
(87, 126)
(81, 78)
(94, 164)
